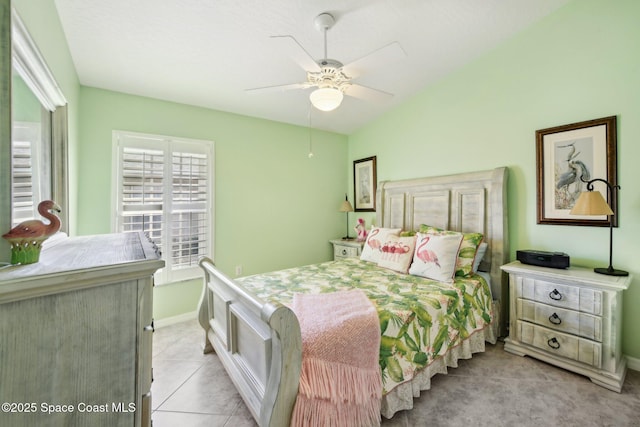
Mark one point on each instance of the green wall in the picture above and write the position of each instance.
(274, 206)
(25, 107)
(579, 63)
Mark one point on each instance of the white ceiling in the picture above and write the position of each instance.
(207, 52)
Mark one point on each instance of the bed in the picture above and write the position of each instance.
(248, 322)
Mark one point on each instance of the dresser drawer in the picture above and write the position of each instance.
(569, 321)
(558, 295)
(344, 251)
(560, 344)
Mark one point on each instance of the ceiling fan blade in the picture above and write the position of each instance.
(377, 59)
(298, 53)
(367, 93)
(278, 88)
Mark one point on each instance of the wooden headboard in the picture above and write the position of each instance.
(467, 202)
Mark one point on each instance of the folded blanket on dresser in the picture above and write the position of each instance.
(340, 381)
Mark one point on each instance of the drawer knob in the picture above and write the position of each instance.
(555, 295)
(553, 343)
(344, 252)
(555, 319)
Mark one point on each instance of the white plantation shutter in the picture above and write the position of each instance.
(189, 205)
(26, 164)
(22, 182)
(165, 189)
(142, 194)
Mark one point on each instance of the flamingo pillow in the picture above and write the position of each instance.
(435, 256)
(468, 249)
(375, 239)
(397, 253)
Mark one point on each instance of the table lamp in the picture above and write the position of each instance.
(346, 207)
(592, 203)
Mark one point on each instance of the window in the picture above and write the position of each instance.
(164, 187)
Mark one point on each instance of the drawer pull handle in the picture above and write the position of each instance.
(555, 295)
(344, 252)
(553, 343)
(555, 319)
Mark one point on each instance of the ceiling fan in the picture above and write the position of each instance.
(331, 78)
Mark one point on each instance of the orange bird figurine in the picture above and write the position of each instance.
(26, 238)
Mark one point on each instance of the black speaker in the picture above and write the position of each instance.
(543, 259)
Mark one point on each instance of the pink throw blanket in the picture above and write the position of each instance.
(340, 380)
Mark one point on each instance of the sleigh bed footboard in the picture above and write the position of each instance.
(258, 343)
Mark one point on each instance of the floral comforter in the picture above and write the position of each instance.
(420, 319)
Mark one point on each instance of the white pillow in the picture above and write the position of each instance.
(397, 253)
(479, 255)
(375, 239)
(435, 256)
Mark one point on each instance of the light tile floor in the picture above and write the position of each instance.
(494, 388)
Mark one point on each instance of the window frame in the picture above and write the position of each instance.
(168, 145)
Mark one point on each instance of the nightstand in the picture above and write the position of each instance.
(346, 248)
(570, 318)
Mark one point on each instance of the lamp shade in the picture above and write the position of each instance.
(346, 207)
(591, 203)
(326, 98)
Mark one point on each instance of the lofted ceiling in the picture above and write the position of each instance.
(208, 52)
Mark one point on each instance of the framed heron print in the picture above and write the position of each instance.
(567, 157)
(364, 184)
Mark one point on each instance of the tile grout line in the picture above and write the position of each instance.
(176, 389)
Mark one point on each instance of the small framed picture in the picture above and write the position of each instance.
(364, 184)
(567, 156)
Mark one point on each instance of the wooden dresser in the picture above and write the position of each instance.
(571, 318)
(76, 334)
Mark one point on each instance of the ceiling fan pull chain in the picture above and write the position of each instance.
(325, 43)
(310, 155)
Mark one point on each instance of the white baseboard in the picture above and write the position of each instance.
(175, 319)
(633, 363)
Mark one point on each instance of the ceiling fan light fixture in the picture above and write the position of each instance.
(326, 98)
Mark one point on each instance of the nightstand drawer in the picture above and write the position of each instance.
(568, 321)
(560, 344)
(340, 251)
(571, 297)
(346, 248)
